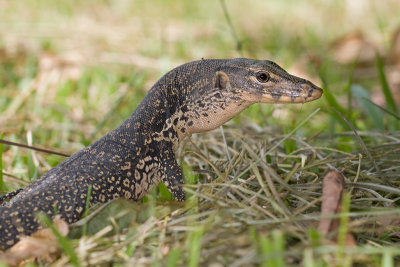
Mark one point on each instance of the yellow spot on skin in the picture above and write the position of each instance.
(115, 158)
(137, 175)
(128, 194)
(140, 164)
(127, 166)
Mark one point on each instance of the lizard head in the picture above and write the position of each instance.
(263, 81)
(236, 84)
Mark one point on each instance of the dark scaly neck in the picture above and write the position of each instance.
(163, 101)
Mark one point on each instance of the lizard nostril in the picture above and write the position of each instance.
(306, 87)
(311, 90)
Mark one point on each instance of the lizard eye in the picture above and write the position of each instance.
(262, 76)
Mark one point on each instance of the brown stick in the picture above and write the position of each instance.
(33, 148)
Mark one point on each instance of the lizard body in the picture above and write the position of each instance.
(194, 97)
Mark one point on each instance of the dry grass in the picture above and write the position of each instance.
(239, 204)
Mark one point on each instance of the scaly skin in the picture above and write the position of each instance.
(195, 97)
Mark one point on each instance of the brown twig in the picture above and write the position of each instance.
(33, 148)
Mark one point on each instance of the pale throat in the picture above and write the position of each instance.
(197, 118)
(198, 122)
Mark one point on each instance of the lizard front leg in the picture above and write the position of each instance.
(171, 175)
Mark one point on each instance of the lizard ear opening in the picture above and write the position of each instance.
(221, 80)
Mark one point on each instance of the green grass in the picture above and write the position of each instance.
(71, 71)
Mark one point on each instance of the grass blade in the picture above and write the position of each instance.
(164, 192)
(373, 112)
(332, 102)
(194, 242)
(343, 227)
(397, 117)
(390, 103)
(387, 259)
(173, 257)
(361, 142)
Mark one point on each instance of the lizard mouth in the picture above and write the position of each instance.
(305, 92)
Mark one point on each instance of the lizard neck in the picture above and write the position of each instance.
(162, 115)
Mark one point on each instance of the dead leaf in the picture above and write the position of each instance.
(42, 244)
(354, 47)
(332, 191)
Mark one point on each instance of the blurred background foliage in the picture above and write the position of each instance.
(72, 61)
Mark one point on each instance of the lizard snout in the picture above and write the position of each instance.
(310, 91)
(300, 92)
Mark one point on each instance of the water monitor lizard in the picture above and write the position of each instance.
(194, 97)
